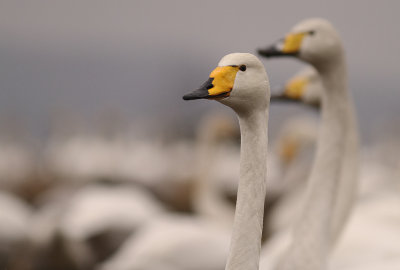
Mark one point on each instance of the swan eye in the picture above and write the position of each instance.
(242, 67)
(311, 33)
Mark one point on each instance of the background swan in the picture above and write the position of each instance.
(296, 143)
(123, 158)
(82, 227)
(333, 180)
(109, 212)
(369, 241)
(15, 216)
(174, 241)
(296, 147)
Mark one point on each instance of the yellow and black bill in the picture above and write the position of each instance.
(295, 91)
(283, 98)
(202, 92)
(288, 46)
(219, 85)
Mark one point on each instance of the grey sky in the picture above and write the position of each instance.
(141, 56)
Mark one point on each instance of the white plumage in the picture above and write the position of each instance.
(331, 187)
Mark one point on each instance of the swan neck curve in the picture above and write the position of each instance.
(312, 236)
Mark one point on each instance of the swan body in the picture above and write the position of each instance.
(98, 208)
(173, 242)
(15, 216)
(90, 222)
(371, 239)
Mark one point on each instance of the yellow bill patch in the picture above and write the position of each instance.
(293, 42)
(295, 88)
(224, 78)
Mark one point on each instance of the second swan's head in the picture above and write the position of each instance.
(313, 40)
(239, 81)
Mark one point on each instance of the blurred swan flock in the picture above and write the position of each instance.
(122, 202)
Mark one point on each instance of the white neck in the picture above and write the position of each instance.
(248, 223)
(348, 182)
(312, 233)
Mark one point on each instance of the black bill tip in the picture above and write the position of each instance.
(196, 94)
(200, 93)
(272, 51)
(282, 98)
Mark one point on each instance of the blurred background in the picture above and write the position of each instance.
(91, 103)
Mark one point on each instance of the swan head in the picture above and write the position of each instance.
(313, 40)
(306, 86)
(239, 81)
